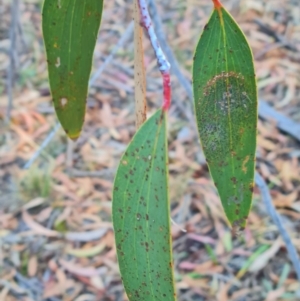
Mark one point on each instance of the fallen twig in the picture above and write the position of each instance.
(284, 123)
(260, 182)
(44, 144)
(278, 38)
(125, 36)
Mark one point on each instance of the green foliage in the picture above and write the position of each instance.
(141, 214)
(70, 31)
(226, 110)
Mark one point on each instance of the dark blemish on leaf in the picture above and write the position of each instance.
(233, 180)
(251, 187)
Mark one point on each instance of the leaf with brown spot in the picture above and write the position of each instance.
(225, 97)
(141, 215)
(70, 30)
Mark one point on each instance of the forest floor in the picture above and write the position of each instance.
(56, 236)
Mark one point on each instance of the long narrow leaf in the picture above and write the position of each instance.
(70, 29)
(226, 109)
(141, 214)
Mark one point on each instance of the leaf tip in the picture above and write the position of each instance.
(73, 136)
(238, 228)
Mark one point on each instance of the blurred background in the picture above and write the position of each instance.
(56, 238)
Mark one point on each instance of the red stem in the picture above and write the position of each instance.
(217, 3)
(167, 91)
(163, 64)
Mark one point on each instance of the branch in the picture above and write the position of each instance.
(175, 67)
(260, 182)
(163, 63)
(139, 70)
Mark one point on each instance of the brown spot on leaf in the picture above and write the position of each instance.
(233, 180)
(244, 168)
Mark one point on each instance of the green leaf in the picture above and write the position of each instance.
(141, 215)
(70, 29)
(226, 109)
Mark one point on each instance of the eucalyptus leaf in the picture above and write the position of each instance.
(225, 97)
(141, 215)
(70, 29)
